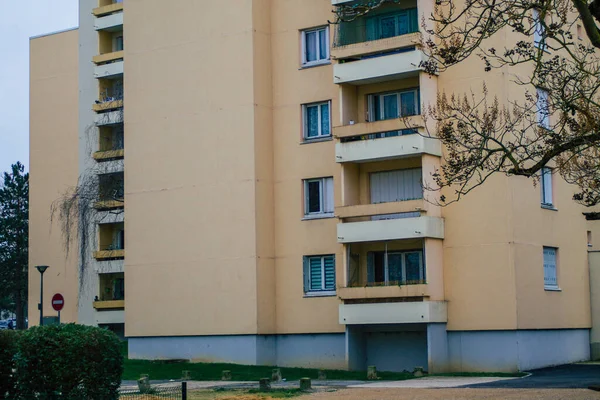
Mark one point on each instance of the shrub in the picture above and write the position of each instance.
(68, 362)
(8, 349)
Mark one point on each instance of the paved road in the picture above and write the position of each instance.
(573, 376)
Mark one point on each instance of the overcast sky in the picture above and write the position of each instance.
(19, 20)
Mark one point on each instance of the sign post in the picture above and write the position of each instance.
(58, 302)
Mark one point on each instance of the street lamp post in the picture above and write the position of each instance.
(41, 269)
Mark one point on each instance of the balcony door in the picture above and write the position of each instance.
(395, 268)
(392, 24)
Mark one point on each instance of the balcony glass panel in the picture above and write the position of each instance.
(388, 21)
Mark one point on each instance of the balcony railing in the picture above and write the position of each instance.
(107, 155)
(108, 9)
(413, 290)
(109, 305)
(114, 254)
(108, 57)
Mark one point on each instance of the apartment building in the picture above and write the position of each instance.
(253, 159)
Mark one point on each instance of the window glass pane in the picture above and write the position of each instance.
(325, 120)
(413, 267)
(311, 46)
(390, 106)
(550, 267)
(314, 196)
(315, 267)
(394, 267)
(407, 100)
(379, 267)
(330, 273)
(542, 108)
(323, 49)
(387, 27)
(328, 192)
(403, 23)
(546, 186)
(312, 121)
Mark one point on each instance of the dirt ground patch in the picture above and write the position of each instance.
(455, 394)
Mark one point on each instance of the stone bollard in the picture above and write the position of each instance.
(371, 373)
(322, 375)
(305, 384)
(418, 372)
(226, 375)
(144, 384)
(264, 384)
(276, 375)
(186, 375)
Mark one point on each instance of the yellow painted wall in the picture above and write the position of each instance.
(294, 161)
(53, 152)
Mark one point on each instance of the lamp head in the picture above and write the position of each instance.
(41, 268)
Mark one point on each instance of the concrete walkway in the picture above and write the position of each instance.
(422, 383)
(431, 382)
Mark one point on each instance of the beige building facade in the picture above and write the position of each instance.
(271, 198)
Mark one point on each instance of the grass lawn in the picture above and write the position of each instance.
(159, 370)
(208, 394)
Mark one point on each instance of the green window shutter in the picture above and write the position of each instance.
(413, 20)
(306, 275)
(372, 29)
(329, 272)
(370, 267)
(316, 270)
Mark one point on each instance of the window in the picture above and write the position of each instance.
(539, 31)
(318, 197)
(589, 239)
(397, 185)
(543, 108)
(393, 105)
(118, 43)
(319, 274)
(317, 120)
(546, 186)
(550, 281)
(315, 46)
(395, 267)
(393, 24)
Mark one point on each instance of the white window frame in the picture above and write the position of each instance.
(323, 291)
(539, 31)
(303, 33)
(326, 207)
(542, 108)
(320, 134)
(555, 285)
(547, 187)
(378, 97)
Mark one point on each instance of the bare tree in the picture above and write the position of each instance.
(557, 121)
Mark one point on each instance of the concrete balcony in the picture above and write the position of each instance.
(383, 292)
(110, 70)
(107, 105)
(391, 229)
(109, 118)
(109, 205)
(379, 69)
(108, 57)
(109, 304)
(368, 210)
(110, 317)
(109, 254)
(109, 155)
(393, 313)
(107, 9)
(109, 22)
(376, 46)
(379, 149)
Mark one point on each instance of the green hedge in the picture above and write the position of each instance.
(8, 349)
(68, 362)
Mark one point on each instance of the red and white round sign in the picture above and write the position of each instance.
(58, 302)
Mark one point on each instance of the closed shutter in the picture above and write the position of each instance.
(550, 267)
(399, 185)
(329, 262)
(316, 277)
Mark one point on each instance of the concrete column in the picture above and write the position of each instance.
(356, 357)
(437, 348)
